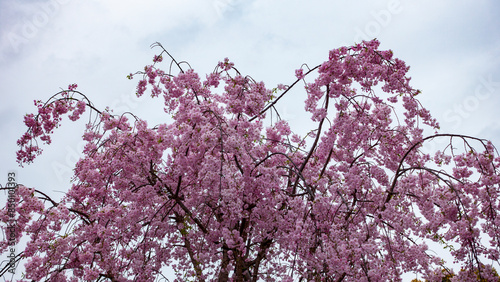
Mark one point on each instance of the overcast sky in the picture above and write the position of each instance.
(453, 48)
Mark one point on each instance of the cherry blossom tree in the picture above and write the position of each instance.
(226, 191)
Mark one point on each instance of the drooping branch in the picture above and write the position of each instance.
(400, 169)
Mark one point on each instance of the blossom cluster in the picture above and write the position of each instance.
(48, 117)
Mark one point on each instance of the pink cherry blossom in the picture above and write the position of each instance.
(227, 191)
